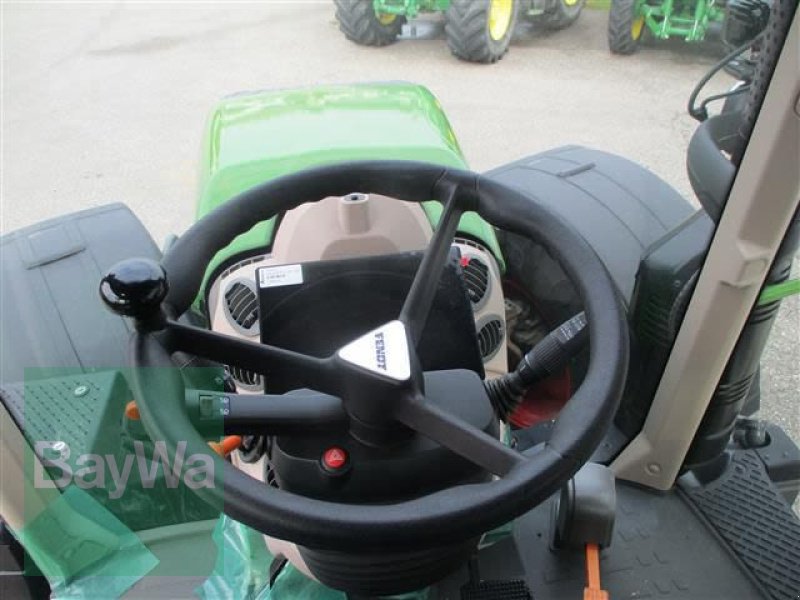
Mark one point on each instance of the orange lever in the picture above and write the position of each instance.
(132, 411)
(227, 445)
(593, 589)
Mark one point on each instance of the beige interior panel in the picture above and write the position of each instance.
(353, 225)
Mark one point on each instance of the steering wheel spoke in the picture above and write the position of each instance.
(423, 289)
(462, 438)
(315, 373)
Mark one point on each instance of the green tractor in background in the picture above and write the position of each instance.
(477, 30)
(688, 19)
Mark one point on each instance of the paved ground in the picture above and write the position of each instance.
(106, 102)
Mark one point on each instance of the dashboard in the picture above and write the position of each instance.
(346, 227)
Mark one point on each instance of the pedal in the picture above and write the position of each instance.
(585, 511)
(583, 518)
(513, 589)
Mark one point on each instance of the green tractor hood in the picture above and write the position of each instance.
(252, 138)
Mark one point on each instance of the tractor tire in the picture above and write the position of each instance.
(469, 34)
(564, 14)
(359, 23)
(625, 27)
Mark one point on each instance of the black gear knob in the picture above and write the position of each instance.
(135, 288)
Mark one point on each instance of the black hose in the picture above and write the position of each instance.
(546, 358)
(700, 113)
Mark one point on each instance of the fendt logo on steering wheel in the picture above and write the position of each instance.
(380, 350)
(383, 350)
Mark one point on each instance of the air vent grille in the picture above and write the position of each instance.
(490, 337)
(476, 261)
(247, 379)
(241, 303)
(242, 263)
(476, 276)
(467, 242)
(655, 320)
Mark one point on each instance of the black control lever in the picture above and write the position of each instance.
(295, 413)
(549, 356)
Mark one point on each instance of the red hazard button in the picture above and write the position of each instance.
(334, 458)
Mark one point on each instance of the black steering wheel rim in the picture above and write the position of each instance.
(448, 516)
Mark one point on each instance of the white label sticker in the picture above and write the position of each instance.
(277, 276)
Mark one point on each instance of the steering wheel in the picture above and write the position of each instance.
(378, 400)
